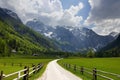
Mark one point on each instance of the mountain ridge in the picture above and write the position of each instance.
(110, 50)
(76, 39)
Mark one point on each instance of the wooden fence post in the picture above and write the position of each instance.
(18, 75)
(82, 70)
(25, 72)
(94, 74)
(1, 75)
(33, 68)
(69, 66)
(38, 66)
(41, 65)
(74, 67)
(66, 65)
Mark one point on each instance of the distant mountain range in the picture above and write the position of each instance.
(16, 37)
(72, 39)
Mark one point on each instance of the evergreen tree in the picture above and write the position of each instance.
(91, 53)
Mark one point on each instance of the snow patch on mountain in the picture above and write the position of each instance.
(114, 34)
(49, 34)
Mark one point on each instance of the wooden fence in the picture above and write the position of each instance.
(95, 73)
(25, 73)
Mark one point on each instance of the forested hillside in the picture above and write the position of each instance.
(15, 37)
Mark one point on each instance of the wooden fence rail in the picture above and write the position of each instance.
(95, 73)
(27, 72)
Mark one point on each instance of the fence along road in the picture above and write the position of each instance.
(56, 72)
(27, 71)
(94, 72)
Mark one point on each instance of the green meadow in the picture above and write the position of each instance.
(13, 64)
(106, 64)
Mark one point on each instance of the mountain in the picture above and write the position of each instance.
(16, 37)
(111, 50)
(71, 38)
(114, 34)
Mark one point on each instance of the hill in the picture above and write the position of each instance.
(111, 50)
(17, 38)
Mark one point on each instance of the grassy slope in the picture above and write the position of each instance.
(15, 35)
(106, 64)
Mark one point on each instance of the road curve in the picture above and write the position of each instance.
(55, 72)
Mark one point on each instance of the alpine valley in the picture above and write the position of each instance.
(38, 38)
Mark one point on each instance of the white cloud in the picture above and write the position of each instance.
(107, 26)
(105, 15)
(69, 16)
(49, 12)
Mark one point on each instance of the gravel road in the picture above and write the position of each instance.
(55, 72)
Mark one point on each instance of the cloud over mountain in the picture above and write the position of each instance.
(49, 12)
(105, 15)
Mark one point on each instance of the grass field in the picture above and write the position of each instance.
(14, 64)
(105, 64)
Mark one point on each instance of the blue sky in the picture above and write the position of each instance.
(84, 12)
